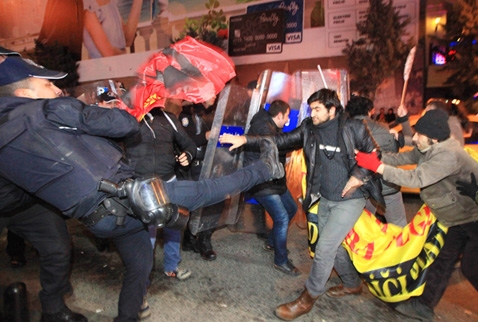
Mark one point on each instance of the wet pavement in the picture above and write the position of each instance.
(240, 285)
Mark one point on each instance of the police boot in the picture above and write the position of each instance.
(64, 315)
(205, 246)
(190, 242)
(302, 305)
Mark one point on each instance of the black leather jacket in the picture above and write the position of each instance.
(263, 124)
(354, 135)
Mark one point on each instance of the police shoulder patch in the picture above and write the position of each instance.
(185, 121)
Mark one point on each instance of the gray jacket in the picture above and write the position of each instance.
(436, 174)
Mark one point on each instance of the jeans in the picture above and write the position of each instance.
(46, 230)
(461, 239)
(282, 209)
(172, 244)
(196, 194)
(135, 249)
(335, 220)
(395, 212)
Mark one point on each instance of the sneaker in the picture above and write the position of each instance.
(415, 309)
(180, 274)
(145, 311)
(270, 157)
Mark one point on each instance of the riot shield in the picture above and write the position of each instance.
(230, 117)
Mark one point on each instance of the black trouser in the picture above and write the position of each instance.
(461, 239)
(46, 230)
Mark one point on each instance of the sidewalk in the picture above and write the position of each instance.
(240, 285)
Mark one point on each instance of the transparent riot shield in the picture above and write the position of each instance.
(230, 117)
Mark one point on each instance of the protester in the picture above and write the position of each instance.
(441, 162)
(361, 108)
(328, 138)
(274, 195)
(160, 145)
(59, 150)
(380, 117)
(390, 117)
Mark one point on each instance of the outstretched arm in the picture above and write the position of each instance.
(236, 140)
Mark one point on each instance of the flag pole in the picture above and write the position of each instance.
(406, 72)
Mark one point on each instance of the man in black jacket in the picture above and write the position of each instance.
(274, 195)
(361, 108)
(329, 139)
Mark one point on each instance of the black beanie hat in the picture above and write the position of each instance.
(434, 124)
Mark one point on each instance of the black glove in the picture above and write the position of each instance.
(468, 189)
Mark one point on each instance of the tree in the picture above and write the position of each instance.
(461, 36)
(211, 28)
(380, 50)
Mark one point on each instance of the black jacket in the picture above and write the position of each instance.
(154, 148)
(59, 149)
(263, 125)
(354, 134)
(387, 143)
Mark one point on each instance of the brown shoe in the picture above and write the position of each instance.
(302, 305)
(340, 290)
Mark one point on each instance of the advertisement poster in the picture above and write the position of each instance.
(293, 19)
(257, 33)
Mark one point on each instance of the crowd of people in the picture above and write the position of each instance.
(98, 158)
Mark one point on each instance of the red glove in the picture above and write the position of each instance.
(368, 161)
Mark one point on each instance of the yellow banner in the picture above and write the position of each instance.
(393, 261)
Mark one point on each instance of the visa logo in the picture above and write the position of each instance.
(274, 48)
(293, 37)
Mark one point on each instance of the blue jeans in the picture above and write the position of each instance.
(335, 220)
(46, 230)
(282, 209)
(134, 247)
(196, 194)
(172, 245)
(171, 248)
